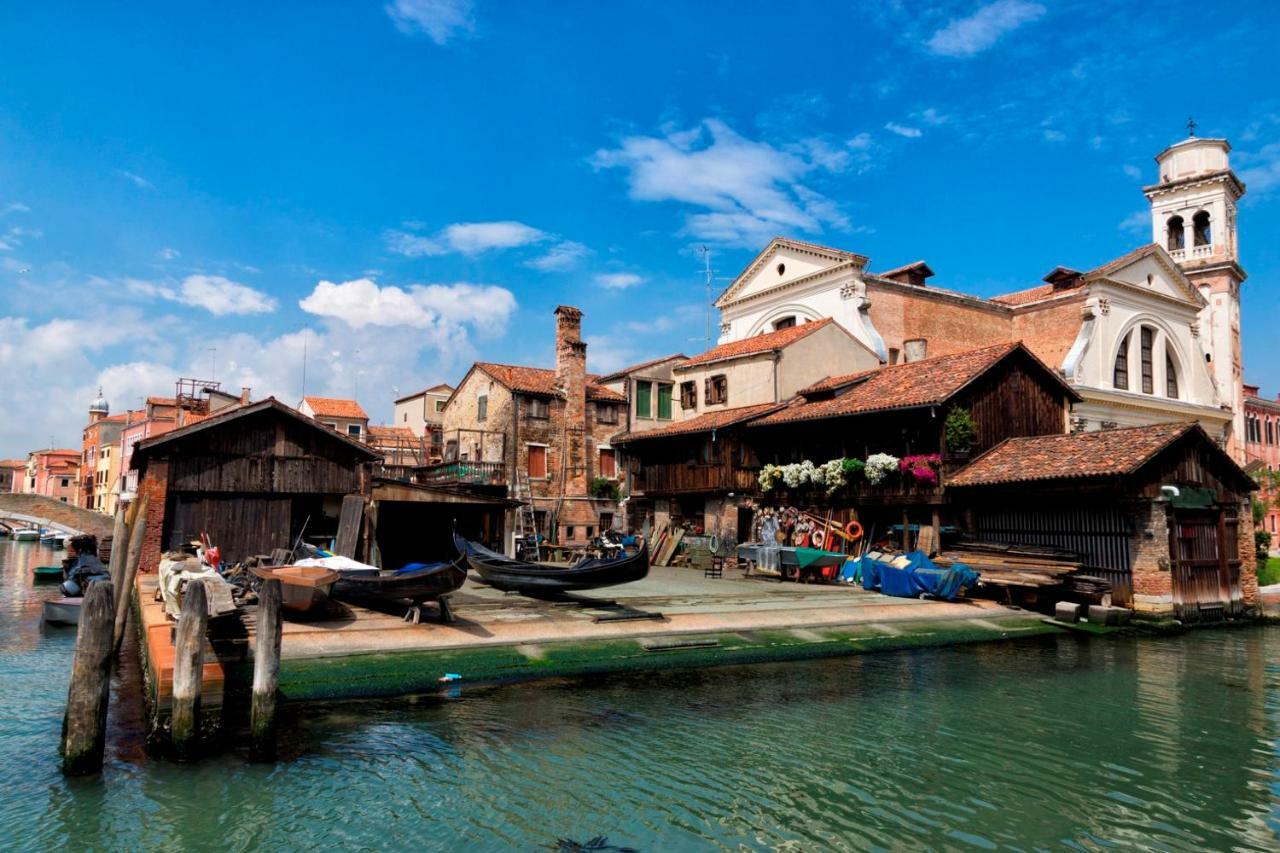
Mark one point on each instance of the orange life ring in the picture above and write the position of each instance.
(853, 530)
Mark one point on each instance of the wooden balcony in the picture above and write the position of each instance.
(682, 477)
(462, 473)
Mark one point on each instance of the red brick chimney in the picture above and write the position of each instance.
(571, 381)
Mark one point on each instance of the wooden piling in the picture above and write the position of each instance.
(266, 672)
(119, 549)
(84, 728)
(188, 671)
(137, 529)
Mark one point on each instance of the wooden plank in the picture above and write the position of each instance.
(349, 523)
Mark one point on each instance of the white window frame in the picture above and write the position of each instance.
(546, 460)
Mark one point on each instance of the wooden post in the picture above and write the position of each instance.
(188, 671)
(137, 530)
(266, 672)
(119, 549)
(84, 728)
(906, 532)
(937, 532)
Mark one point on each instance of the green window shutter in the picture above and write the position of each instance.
(644, 407)
(664, 402)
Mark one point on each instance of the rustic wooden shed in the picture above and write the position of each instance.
(254, 478)
(1162, 511)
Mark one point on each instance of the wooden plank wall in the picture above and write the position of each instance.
(1013, 400)
(241, 525)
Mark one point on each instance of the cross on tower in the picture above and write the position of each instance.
(1191, 127)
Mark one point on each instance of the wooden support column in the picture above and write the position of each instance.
(188, 671)
(906, 532)
(84, 727)
(119, 550)
(937, 532)
(124, 593)
(266, 672)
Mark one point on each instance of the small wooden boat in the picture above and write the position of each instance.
(417, 584)
(532, 578)
(27, 534)
(62, 611)
(48, 574)
(301, 587)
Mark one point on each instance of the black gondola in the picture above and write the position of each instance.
(415, 585)
(532, 578)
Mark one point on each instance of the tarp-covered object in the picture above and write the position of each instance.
(913, 575)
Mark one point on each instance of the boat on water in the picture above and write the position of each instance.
(415, 583)
(302, 588)
(62, 611)
(26, 534)
(48, 574)
(510, 575)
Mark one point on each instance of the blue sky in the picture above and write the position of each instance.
(403, 187)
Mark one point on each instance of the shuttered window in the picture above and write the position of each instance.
(664, 401)
(482, 407)
(537, 462)
(688, 395)
(717, 389)
(608, 463)
(644, 399)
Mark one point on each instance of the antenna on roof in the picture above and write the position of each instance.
(707, 271)
(1191, 126)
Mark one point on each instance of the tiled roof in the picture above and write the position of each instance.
(702, 423)
(914, 265)
(161, 401)
(442, 388)
(542, 381)
(1044, 291)
(13, 463)
(929, 381)
(757, 344)
(618, 374)
(391, 432)
(332, 407)
(61, 451)
(1105, 453)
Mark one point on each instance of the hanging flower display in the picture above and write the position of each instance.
(769, 476)
(922, 468)
(879, 466)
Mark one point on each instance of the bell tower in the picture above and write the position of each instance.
(1193, 216)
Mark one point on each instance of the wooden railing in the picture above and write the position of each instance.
(465, 473)
(682, 477)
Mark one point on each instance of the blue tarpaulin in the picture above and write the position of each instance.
(920, 576)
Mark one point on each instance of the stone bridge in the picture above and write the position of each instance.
(39, 511)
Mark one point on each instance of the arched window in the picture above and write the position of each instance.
(1177, 239)
(1147, 338)
(1120, 377)
(1201, 235)
(784, 323)
(1271, 436)
(1170, 376)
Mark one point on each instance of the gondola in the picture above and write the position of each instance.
(416, 584)
(533, 579)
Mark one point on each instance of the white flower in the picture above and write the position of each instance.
(879, 466)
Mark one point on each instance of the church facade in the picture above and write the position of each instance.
(1152, 336)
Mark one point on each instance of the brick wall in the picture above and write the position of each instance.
(1248, 556)
(1050, 331)
(903, 312)
(155, 489)
(1149, 557)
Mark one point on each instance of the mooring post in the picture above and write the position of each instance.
(137, 530)
(119, 549)
(266, 672)
(188, 671)
(84, 728)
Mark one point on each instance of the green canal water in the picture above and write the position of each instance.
(1052, 743)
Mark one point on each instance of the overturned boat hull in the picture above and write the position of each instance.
(533, 579)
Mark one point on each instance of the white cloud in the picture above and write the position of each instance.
(933, 117)
(439, 20)
(1262, 172)
(1138, 222)
(746, 188)
(14, 207)
(903, 130)
(1052, 135)
(215, 294)
(13, 237)
(168, 254)
(136, 179)
(965, 37)
(564, 255)
(438, 307)
(618, 280)
(469, 238)
(219, 296)
(1132, 171)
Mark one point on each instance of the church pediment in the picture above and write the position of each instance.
(783, 262)
(1151, 269)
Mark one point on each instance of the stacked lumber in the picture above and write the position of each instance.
(1016, 565)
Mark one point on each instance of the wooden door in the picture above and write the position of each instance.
(1205, 563)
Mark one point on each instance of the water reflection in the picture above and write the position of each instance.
(1054, 742)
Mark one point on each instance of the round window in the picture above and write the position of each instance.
(782, 268)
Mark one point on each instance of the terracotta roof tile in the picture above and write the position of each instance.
(1104, 453)
(757, 344)
(930, 381)
(333, 407)
(402, 433)
(13, 463)
(618, 374)
(161, 401)
(702, 423)
(1044, 291)
(541, 381)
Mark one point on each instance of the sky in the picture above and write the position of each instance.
(368, 196)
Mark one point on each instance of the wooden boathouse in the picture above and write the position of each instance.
(1162, 510)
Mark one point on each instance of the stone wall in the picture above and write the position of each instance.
(1149, 557)
(154, 488)
(1248, 556)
